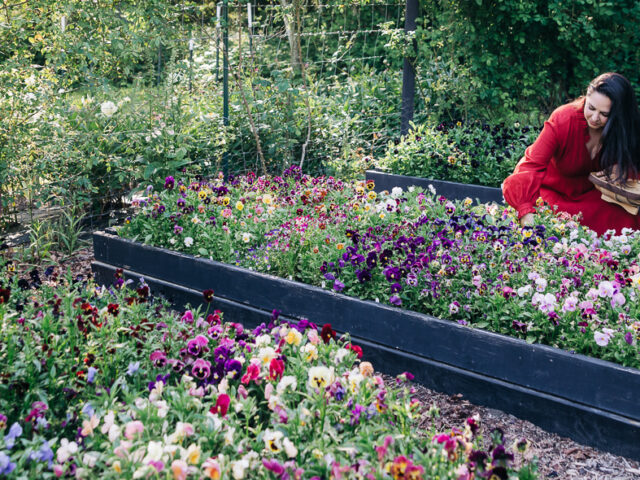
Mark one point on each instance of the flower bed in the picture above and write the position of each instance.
(101, 382)
(592, 401)
(555, 283)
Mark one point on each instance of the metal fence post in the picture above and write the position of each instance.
(225, 82)
(218, 13)
(408, 70)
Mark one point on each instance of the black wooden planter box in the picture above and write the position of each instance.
(450, 190)
(592, 401)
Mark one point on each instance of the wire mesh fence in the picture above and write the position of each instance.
(317, 85)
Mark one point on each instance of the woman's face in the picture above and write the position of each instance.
(597, 107)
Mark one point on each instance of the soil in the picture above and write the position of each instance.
(558, 457)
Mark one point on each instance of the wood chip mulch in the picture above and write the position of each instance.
(558, 457)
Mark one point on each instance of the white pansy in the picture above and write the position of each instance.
(320, 377)
(238, 468)
(66, 450)
(114, 433)
(396, 192)
(289, 448)
(188, 241)
(285, 382)
(263, 340)
(154, 452)
(272, 440)
(90, 459)
(228, 436)
(266, 354)
(341, 353)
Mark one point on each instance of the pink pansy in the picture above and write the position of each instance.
(547, 303)
(196, 392)
(158, 465)
(618, 299)
(198, 345)
(313, 337)
(268, 390)
(593, 294)
(212, 468)
(158, 358)
(253, 372)
(184, 429)
(242, 392)
(585, 305)
(606, 289)
(382, 449)
(222, 405)
(601, 339)
(570, 304)
(180, 469)
(273, 466)
(187, 317)
(122, 450)
(131, 429)
(463, 472)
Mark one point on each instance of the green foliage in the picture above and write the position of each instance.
(68, 230)
(523, 56)
(474, 152)
(114, 41)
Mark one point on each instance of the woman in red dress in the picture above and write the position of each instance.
(600, 131)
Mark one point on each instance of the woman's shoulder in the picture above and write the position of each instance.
(569, 111)
(570, 114)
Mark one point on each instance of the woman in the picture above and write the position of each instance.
(600, 131)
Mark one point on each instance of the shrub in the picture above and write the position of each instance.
(466, 152)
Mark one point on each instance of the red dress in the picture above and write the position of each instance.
(556, 167)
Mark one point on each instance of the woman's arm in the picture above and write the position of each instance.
(522, 188)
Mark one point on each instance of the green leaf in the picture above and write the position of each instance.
(180, 153)
(148, 171)
(203, 251)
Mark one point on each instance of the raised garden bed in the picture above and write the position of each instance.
(451, 190)
(592, 401)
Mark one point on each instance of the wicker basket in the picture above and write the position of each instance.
(626, 195)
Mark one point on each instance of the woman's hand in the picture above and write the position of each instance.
(527, 219)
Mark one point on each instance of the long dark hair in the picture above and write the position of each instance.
(620, 151)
